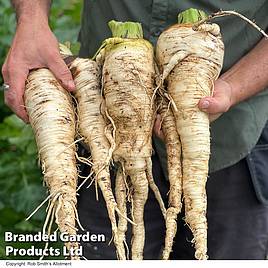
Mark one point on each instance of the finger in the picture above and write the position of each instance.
(213, 105)
(14, 96)
(157, 127)
(5, 73)
(62, 73)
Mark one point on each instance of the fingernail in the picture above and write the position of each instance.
(71, 85)
(204, 104)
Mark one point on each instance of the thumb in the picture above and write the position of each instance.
(62, 73)
(14, 96)
(213, 105)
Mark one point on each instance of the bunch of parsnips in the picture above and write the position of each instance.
(117, 97)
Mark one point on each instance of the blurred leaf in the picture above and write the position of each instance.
(1, 205)
(9, 217)
(34, 194)
(26, 226)
(75, 47)
(14, 121)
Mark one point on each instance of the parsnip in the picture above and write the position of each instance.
(128, 83)
(190, 61)
(94, 127)
(173, 147)
(52, 118)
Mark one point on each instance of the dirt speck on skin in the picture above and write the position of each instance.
(53, 82)
(75, 71)
(43, 102)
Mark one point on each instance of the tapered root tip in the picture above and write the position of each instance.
(199, 255)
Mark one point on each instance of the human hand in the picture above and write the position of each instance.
(220, 102)
(157, 128)
(34, 46)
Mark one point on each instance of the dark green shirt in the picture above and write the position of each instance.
(236, 132)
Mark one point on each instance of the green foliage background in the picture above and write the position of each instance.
(21, 186)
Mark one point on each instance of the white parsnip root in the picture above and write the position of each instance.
(128, 83)
(190, 61)
(97, 132)
(173, 148)
(52, 118)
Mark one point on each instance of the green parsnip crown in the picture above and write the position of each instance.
(191, 15)
(126, 29)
